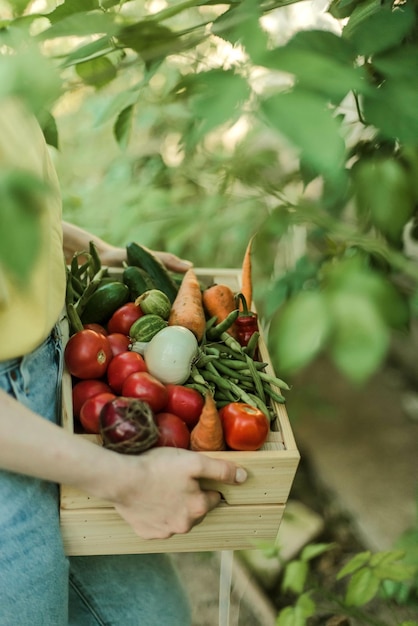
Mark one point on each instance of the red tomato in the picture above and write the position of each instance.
(118, 343)
(97, 327)
(245, 427)
(87, 354)
(85, 389)
(123, 318)
(173, 431)
(90, 412)
(121, 366)
(184, 402)
(146, 387)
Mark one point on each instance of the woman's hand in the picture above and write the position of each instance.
(160, 495)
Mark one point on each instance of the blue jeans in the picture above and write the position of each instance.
(39, 585)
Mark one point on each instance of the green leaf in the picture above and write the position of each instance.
(295, 576)
(313, 550)
(297, 615)
(81, 25)
(392, 109)
(354, 564)
(151, 40)
(398, 63)
(321, 62)
(220, 95)
(298, 333)
(70, 8)
(50, 130)
(383, 192)
(304, 119)
(123, 126)
(394, 571)
(385, 558)
(362, 587)
(360, 339)
(96, 72)
(382, 29)
(241, 25)
(93, 49)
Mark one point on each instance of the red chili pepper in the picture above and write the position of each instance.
(246, 323)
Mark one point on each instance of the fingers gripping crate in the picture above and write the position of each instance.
(247, 513)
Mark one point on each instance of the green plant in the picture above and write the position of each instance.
(367, 575)
(328, 150)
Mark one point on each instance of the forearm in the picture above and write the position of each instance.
(77, 239)
(31, 445)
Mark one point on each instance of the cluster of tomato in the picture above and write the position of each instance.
(103, 368)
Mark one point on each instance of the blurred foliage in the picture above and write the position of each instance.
(192, 125)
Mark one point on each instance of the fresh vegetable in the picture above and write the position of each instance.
(118, 343)
(85, 389)
(246, 275)
(101, 305)
(173, 431)
(146, 327)
(187, 308)
(246, 323)
(184, 402)
(170, 354)
(137, 281)
(87, 354)
(146, 387)
(214, 332)
(141, 257)
(90, 411)
(245, 427)
(121, 366)
(127, 426)
(207, 435)
(123, 318)
(219, 302)
(156, 302)
(97, 327)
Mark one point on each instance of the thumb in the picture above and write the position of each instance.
(222, 471)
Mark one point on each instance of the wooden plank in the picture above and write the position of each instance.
(100, 531)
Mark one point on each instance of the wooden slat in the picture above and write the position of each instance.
(100, 531)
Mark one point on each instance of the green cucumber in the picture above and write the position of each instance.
(141, 257)
(101, 305)
(137, 281)
(156, 302)
(146, 327)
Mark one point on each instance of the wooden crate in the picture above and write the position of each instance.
(247, 513)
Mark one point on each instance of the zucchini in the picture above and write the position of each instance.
(137, 281)
(101, 305)
(146, 327)
(141, 257)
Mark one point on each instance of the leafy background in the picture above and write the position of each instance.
(190, 126)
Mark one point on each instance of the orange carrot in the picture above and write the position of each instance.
(219, 301)
(208, 434)
(246, 276)
(187, 308)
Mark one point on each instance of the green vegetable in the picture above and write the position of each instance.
(146, 327)
(101, 305)
(137, 280)
(156, 302)
(141, 257)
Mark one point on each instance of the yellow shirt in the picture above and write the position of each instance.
(28, 314)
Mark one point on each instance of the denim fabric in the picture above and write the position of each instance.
(39, 585)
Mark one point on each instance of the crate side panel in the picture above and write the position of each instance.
(101, 531)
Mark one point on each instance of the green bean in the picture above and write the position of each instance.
(73, 318)
(95, 261)
(261, 405)
(257, 379)
(217, 331)
(251, 347)
(274, 395)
